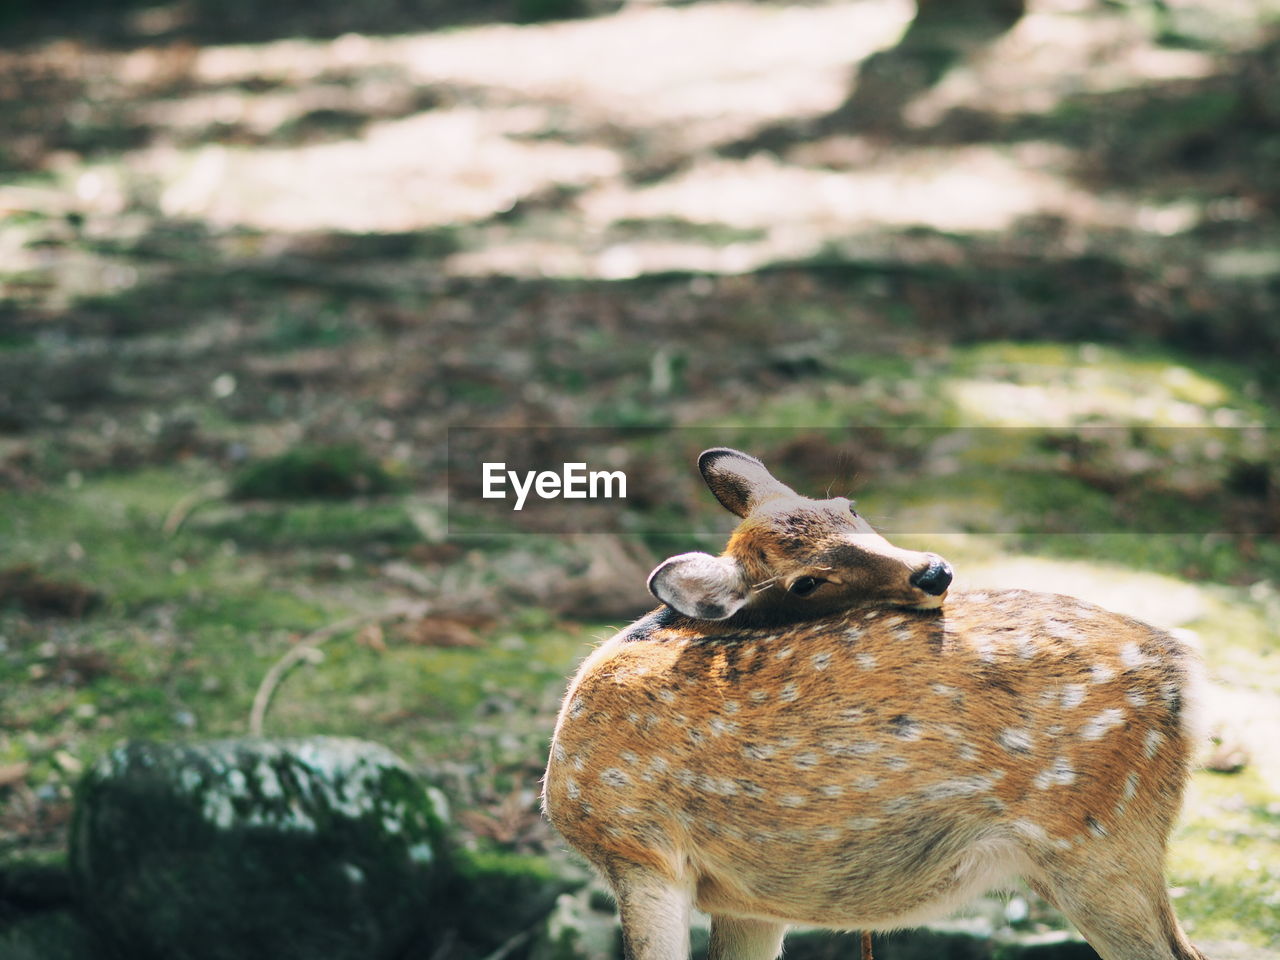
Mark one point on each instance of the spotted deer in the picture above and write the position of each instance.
(810, 731)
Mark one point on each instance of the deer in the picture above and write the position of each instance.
(814, 729)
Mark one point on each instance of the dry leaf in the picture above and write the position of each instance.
(371, 636)
(446, 630)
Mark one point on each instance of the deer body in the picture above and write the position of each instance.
(876, 766)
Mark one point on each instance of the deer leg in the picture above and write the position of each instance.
(1117, 900)
(740, 938)
(655, 915)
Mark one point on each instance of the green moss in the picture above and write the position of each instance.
(500, 894)
(325, 523)
(1225, 860)
(339, 471)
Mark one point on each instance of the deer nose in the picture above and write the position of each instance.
(933, 579)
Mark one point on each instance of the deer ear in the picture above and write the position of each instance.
(700, 585)
(740, 482)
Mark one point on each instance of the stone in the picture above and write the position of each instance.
(246, 849)
(48, 935)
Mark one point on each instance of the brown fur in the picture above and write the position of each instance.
(876, 766)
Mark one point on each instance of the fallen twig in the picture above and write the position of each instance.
(187, 505)
(299, 651)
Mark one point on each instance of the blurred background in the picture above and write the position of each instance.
(256, 260)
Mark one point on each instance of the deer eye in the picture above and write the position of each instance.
(803, 586)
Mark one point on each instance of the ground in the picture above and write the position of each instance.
(1027, 317)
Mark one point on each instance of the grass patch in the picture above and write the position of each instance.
(332, 472)
(1225, 860)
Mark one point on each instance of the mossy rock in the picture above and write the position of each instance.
(51, 935)
(245, 849)
(500, 896)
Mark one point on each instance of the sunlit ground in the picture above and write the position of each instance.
(612, 128)
(351, 179)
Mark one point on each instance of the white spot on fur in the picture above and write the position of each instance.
(758, 695)
(866, 782)
(1062, 630)
(851, 748)
(1097, 727)
(866, 661)
(758, 751)
(717, 787)
(1130, 787)
(789, 693)
(1131, 656)
(896, 763)
(1152, 743)
(826, 834)
(853, 633)
(1015, 739)
(820, 661)
(791, 800)
(1100, 673)
(1061, 774)
(732, 706)
(784, 653)
(571, 788)
(805, 761)
(960, 787)
(1136, 697)
(558, 752)
(666, 695)
(615, 777)
(1073, 695)
(967, 752)
(862, 823)
(900, 804)
(628, 757)
(909, 729)
(721, 727)
(942, 690)
(1030, 830)
(831, 790)
(1025, 644)
(576, 708)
